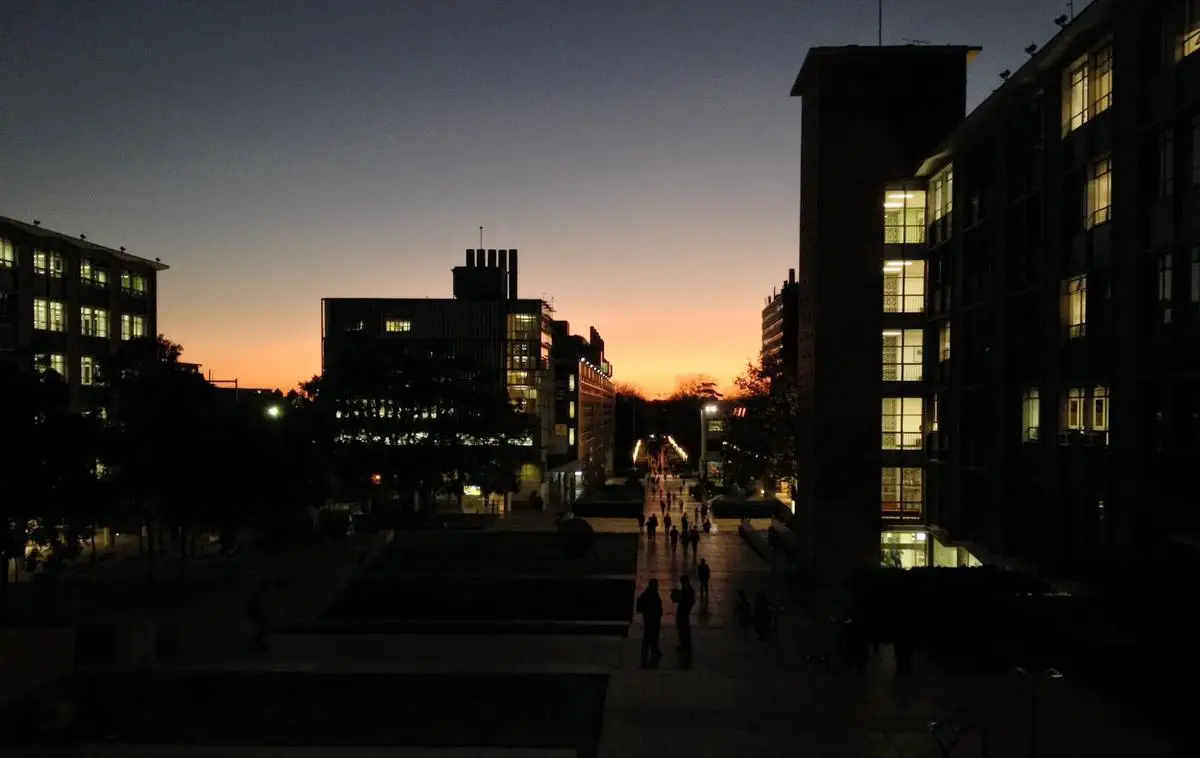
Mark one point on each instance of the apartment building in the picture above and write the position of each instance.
(67, 303)
(780, 323)
(584, 413)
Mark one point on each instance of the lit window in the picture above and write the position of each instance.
(56, 362)
(934, 414)
(1087, 411)
(902, 493)
(1194, 289)
(1165, 287)
(8, 254)
(1075, 96)
(571, 410)
(904, 217)
(1074, 410)
(903, 286)
(1074, 305)
(93, 322)
(397, 325)
(91, 274)
(944, 342)
(1166, 163)
(89, 373)
(902, 419)
(902, 355)
(133, 284)
(1188, 40)
(941, 193)
(48, 264)
(716, 425)
(49, 315)
(132, 326)
(571, 382)
(1031, 413)
(571, 436)
(1099, 419)
(1099, 193)
(1102, 67)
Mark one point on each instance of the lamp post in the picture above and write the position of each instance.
(709, 409)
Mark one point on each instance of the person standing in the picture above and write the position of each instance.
(684, 599)
(703, 573)
(649, 605)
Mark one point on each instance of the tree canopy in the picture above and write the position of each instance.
(762, 433)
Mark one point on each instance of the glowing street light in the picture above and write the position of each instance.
(274, 411)
(711, 409)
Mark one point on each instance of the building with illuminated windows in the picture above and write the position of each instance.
(1046, 250)
(584, 414)
(780, 322)
(505, 339)
(67, 303)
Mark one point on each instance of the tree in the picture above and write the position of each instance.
(627, 389)
(762, 432)
(697, 387)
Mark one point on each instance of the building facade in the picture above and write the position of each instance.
(584, 414)
(66, 304)
(505, 339)
(780, 327)
(860, 425)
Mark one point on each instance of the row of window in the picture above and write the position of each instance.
(53, 266)
(89, 367)
(51, 316)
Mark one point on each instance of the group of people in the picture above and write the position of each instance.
(650, 607)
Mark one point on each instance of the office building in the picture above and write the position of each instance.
(503, 339)
(66, 304)
(584, 414)
(780, 328)
(860, 425)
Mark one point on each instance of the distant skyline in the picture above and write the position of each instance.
(642, 155)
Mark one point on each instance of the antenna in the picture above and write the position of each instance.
(481, 238)
(881, 23)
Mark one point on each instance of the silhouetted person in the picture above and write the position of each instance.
(763, 616)
(256, 609)
(707, 526)
(703, 572)
(649, 604)
(674, 535)
(683, 522)
(684, 599)
(743, 611)
(641, 519)
(667, 522)
(651, 526)
(662, 505)
(704, 510)
(695, 535)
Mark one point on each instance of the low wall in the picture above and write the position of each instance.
(33, 657)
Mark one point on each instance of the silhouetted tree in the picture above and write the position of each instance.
(627, 389)
(762, 434)
(700, 387)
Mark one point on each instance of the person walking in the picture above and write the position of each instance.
(703, 573)
(651, 526)
(685, 599)
(649, 605)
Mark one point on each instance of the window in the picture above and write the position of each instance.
(716, 425)
(904, 217)
(132, 326)
(1031, 413)
(571, 436)
(903, 286)
(1099, 419)
(93, 322)
(934, 414)
(1074, 411)
(1188, 40)
(1166, 163)
(902, 355)
(902, 419)
(48, 264)
(1074, 306)
(571, 382)
(49, 315)
(8, 254)
(91, 274)
(571, 410)
(1165, 286)
(902, 493)
(944, 342)
(56, 362)
(1102, 66)
(1087, 411)
(133, 284)
(397, 325)
(88, 372)
(1099, 193)
(1075, 96)
(941, 191)
(1194, 288)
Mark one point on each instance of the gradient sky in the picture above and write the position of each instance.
(642, 154)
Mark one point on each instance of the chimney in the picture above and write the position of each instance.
(470, 257)
(512, 274)
(791, 276)
(491, 259)
(503, 259)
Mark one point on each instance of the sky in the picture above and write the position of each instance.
(643, 155)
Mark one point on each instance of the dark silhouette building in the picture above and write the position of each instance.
(67, 303)
(505, 339)
(780, 328)
(584, 414)
(864, 131)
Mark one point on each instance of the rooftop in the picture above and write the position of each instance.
(41, 231)
(818, 55)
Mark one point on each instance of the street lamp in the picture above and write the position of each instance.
(709, 409)
(274, 411)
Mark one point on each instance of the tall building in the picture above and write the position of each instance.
(67, 303)
(506, 339)
(780, 327)
(584, 413)
(1064, 301)
(860, 425)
